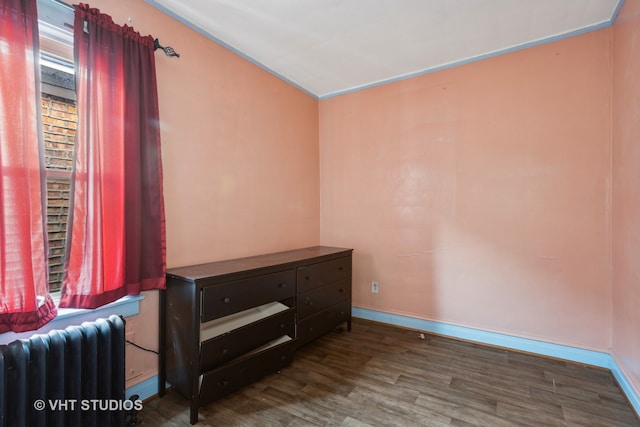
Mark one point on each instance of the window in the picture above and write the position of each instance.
(118, 206)
(59, 119)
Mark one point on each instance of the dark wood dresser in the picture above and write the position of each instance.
(323, 291)
(228, 323)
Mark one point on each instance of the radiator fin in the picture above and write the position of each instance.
(71, 366)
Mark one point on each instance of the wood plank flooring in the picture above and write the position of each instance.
(380, 375)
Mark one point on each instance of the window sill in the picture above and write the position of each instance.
(125, 306)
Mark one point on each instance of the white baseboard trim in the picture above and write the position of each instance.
(574, 354)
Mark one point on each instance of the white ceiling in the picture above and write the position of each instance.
(329, 47)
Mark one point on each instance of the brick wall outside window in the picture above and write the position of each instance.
(59, 120)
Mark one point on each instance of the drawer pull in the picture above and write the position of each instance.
(227, 300)
(282, 285)
(223, 383)
(225, 350)
(307, 278)
(341, 268)
(341, 290)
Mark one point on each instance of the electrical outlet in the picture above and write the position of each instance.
(374, 287)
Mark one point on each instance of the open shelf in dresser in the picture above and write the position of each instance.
(226, 324)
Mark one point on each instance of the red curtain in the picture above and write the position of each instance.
(116, 241)
(25, 303)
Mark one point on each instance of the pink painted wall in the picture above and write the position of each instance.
(626, 191)
(240, 157)
(479, 195)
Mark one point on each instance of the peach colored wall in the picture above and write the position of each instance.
(240, 157)
(626, 191)
(479, 195)
(476, 196)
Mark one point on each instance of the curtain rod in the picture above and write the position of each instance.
(168, 50)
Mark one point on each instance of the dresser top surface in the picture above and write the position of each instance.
(232, 266)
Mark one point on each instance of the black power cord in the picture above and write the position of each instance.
(141, 348)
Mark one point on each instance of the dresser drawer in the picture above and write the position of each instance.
(320, 323)
(237, 342)
(245, 370)
(227, 298)
(320, 298)
(312, 276)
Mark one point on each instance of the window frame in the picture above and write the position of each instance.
(58, 83)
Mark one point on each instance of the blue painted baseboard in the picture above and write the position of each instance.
(588, 357)
(626, 386)
(149, 388)
(574, 354)
(146, 389)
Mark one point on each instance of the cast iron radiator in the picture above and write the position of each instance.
(70, 377)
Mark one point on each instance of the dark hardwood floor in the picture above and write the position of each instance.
(380, 375)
